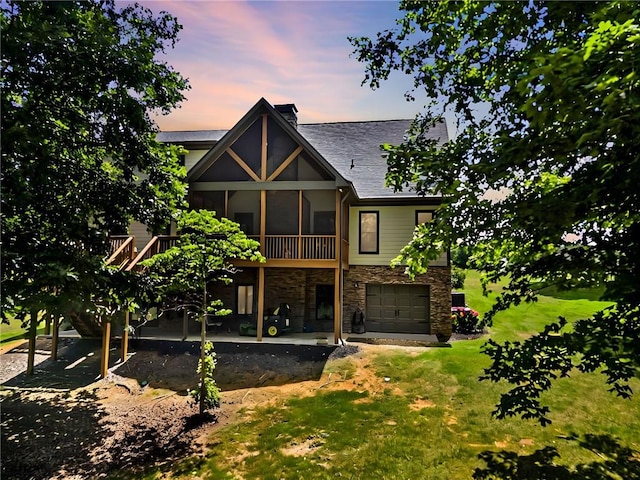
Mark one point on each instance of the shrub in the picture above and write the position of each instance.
(457, 278)
(460, 256)
(465, 320)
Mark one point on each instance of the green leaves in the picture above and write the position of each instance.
(543, 185)
(79, 80)
(203, 254)
(608, 341)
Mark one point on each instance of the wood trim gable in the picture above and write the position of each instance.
(285, 164)
(228, 139)
(263, 156)
(262, 109)
(241, 162)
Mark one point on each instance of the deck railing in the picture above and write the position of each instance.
(158, 244)
(299, 247)
(280, 247)
(122, 250)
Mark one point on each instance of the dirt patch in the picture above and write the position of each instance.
(63, 423)
(421, 404)
(311, 443)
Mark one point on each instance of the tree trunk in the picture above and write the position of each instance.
(33, 331)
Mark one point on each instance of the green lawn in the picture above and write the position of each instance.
(13, 331)
(431, 420)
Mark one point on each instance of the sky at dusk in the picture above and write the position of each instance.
(235, 52)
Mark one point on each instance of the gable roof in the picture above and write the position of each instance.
(351, 151)
(262, 106)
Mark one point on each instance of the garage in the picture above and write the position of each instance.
(397, 308)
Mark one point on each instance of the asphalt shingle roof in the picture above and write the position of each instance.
(344, 143)
(341, 144)
(188, 136)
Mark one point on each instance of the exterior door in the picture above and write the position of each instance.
(397, 308)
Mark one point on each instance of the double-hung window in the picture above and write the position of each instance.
(423, 216)
(369, 232)
(245, 300)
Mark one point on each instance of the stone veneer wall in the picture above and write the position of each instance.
(315, 278)
(438, 279)
(297, 286)
(171, 322)
(286, 285)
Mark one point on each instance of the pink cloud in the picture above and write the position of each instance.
(236, 52)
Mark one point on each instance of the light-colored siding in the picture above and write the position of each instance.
(139, 231)
(396, 225)
(192, 157)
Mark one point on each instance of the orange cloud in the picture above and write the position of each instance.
(288, 52)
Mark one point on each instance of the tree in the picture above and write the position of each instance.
(544, 185)
(178, 279)
(460, 257)
(458, 276)
(79, 155)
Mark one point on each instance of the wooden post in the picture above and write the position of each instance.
(106, 337)
(33, 331)
(263, 220)
(260, 322)
(125, 336)
(54, 337)
(337, 314)
(263, 229)
(338, 276)
(263, 152)
(185, 324)
(300, 256)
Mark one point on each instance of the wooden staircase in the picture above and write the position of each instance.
(123, 249)
(86, 325)
(122, 253)
(158, 244)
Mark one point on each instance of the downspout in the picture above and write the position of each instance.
(342, 222)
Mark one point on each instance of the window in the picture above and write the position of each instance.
(245, 300)
(368, 232)
(423, 216)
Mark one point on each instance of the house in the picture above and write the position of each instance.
(314, 196)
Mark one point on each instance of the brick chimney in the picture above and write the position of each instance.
(288, 111)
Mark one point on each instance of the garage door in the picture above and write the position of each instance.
(397, 308)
